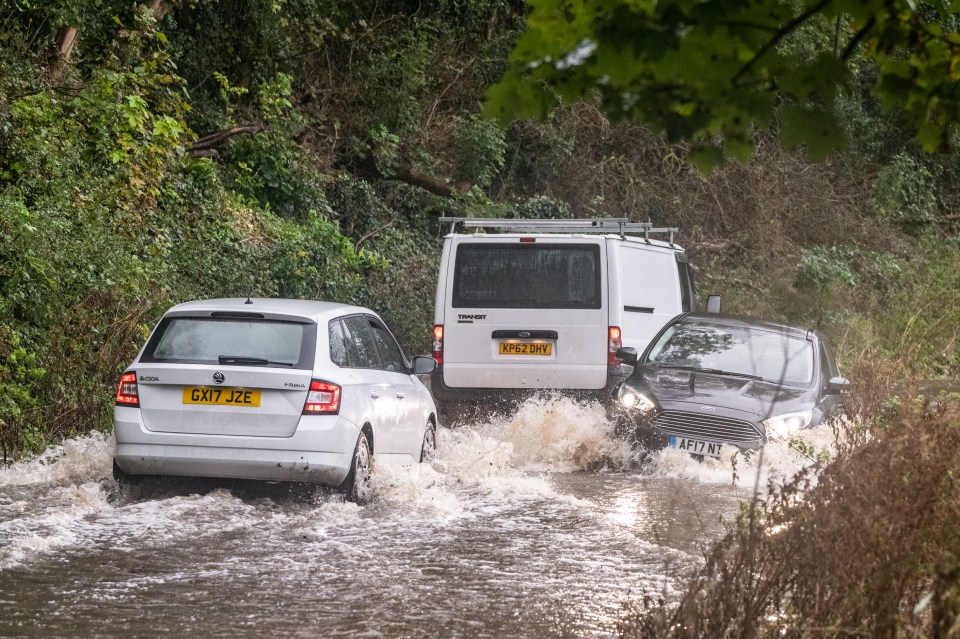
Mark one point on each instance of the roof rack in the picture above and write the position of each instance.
(619, 225)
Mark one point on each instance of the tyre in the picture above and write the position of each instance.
(357, 484)
(125, 479)
(429, 448)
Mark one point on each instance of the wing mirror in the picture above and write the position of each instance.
(713, 304)
(423, 365)
(838, 385)
(627, 355)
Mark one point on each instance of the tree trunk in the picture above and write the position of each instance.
(63, 51)
(160, 8)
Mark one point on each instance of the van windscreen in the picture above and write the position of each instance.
(527, 276)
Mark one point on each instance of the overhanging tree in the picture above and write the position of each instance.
(713, 71)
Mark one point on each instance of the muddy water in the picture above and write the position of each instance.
(537, 524)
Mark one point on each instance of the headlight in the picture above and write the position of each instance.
(782, 426)
(629, 397)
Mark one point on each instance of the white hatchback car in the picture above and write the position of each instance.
(272, 389)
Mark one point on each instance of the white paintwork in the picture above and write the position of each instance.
(275, 441)
(634, 273)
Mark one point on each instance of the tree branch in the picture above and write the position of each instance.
(436, 186)
(861, 34)
(216, 139)
(787, 29)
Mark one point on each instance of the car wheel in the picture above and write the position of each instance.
(429, 448)
(357, 484)
(125, 479)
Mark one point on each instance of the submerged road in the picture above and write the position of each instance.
(532, 524)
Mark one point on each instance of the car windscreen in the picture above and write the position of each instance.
(238, 341)
(513, 275)
(741, 350)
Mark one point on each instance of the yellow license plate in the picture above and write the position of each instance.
(525, 348)
(221, 396)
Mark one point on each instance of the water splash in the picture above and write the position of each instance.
(776, 463)
(74, 461)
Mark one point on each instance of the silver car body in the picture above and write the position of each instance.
(275, 440)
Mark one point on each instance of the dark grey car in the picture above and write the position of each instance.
(710, 381)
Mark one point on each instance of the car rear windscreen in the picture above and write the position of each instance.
(527, 276)
(240, 341)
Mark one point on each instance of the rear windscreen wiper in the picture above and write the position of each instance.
(243, 360)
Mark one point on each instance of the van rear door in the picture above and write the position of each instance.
(650, 290)
(526, 312)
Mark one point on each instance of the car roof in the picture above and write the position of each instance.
(746, 322)
(309, 309)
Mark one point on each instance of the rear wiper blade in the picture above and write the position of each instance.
(243, 360)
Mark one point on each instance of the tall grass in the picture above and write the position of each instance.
(868, 546)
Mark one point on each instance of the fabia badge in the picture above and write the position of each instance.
(218, 377)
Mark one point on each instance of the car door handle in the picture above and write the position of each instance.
(374, 395)
(400, 395)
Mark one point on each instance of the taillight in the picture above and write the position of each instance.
(614, 342)
(438, 343)
(323, 397)
(127, 394)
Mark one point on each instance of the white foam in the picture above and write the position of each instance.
(49, 525)
(777, 462)
(75, 460)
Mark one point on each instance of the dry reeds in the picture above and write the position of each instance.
(869, 547)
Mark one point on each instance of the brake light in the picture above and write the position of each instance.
(614, 342)
(323, 397)
(528, 240)
(127, 394)
(438, 343)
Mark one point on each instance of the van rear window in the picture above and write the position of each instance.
(527, 276)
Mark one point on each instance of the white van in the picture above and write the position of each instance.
(545, 304)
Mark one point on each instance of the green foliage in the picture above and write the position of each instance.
(482, 150)
(18, 373)
(314, 261)
(822, 267)
(904, 194)
(541, 208)
(713, 72)
(808, 450)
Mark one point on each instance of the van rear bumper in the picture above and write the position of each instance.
(442, 393)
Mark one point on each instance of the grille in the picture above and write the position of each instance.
(713, 427)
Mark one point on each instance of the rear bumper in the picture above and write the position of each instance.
(320, 451)
(446, 394)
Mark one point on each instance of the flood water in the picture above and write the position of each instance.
(539, 523)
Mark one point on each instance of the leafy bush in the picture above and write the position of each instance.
(903, 194)
(822, 267)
